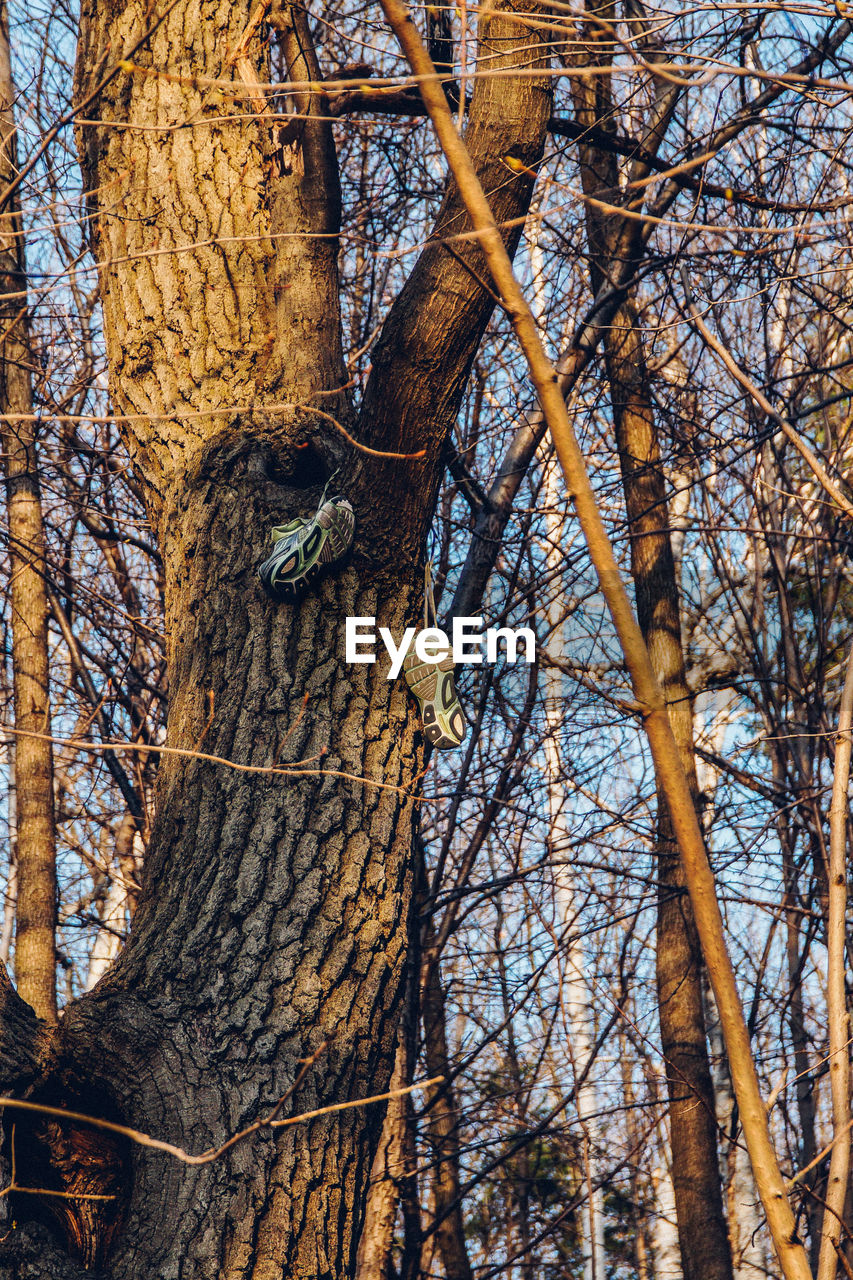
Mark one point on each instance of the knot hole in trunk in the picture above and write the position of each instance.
(87, 1169)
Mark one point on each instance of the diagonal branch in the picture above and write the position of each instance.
(750, 113)
(269, 1121)
(492, 519)
(423, 356)
(790, 432)
(494, 514)
(668, 766)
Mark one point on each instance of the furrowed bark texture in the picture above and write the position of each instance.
(703, 1236)
(35, 924)
(394, 1183)
(394, 1176)
(375, 1261)
(273, 914)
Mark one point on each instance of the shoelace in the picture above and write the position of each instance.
(326, 487)
(429, 598)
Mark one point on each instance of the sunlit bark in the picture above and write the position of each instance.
(35, 942)
(273, 912)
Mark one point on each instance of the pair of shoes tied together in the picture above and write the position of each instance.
(304, 549)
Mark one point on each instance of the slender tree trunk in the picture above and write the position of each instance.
(695, 1173)
(641, 1217)
(665, 1234)
(10, 901)
(443, 1134)
(803, 1065)
(377, 1237)
(394, 1182)
(119, 895)
(575, 983)
(518, 1169)
(695, 1170)
(836, 993)
(35, 933)
(746, 1230)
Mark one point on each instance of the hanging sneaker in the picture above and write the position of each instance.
(432, 684)
(305, 548)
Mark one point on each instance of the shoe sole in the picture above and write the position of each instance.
(301, 559)
(433, 687)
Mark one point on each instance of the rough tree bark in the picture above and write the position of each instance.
(273, 913)
(392, 1165)
(394, 1178)
(35, 924)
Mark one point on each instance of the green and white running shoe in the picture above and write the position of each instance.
(432, 684)
(305, 548)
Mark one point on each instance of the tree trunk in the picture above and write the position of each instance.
(443, 1134)
(10, 901)
(746, 1229)
(375, 1260)
(273, 915)
(35, 932)
(394, 1177)
(665, 1246)
(695, 1172)
(517, 1171)
(576, 994)
(118, 898)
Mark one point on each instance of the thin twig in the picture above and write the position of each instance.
(201, 737)
(809, 457)
(40, 1191)
(81, 106)
(96, 748)
(801, 1173)
(207, 1157)
(848, 1270)
(284, 406)
(47, 1191)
